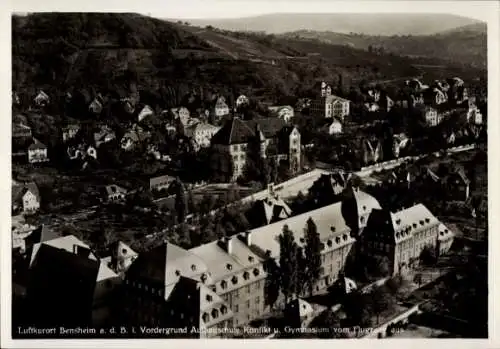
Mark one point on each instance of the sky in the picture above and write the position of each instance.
(196, 9)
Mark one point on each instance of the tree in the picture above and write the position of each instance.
(313, 254)
(381, 266)
(180, 202)
(381, 301)
(288, 263)
(428, 255)
(273, 281)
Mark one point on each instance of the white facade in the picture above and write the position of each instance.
(30, 202)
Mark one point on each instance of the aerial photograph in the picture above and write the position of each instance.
(274, 176)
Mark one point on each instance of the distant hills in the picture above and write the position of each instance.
(117, 53)
(360, 23)
(464, 45)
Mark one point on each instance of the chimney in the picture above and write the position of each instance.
(226, 244)
(246, 237)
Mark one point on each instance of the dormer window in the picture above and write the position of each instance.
(203, 277)
(427, 220)
(364, 208)
(414, 225)
(441, 233)
(209, 298)
(223, 309)
(446, 231)
(329, 243)
(398, 221)
(362, 219)
(337, 239)
(223, 284)
(229, 266)
(251, 259)
(302, 240)
(256, 272)
(193, 267)
(322, 246)
(205, 317)
(397, 235)
(345, 237)
(332, 228)
(246, 275)
(177, 273)
(215, 313)
(421, 222)
(234, 280)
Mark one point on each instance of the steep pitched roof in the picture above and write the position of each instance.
(19, 190)
(37, 145)
(234, 131)
(410, 220)
(270, 127)
(165, 264)
(113, 189)
(41, 234)
(329, 222)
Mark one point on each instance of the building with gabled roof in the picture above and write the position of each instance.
(115, 193)
(330, 106)
(400, 236)
(145, 112)
(298, 313)
(65, 269)
(37, 152)
(26, 198)
(161, 182)
(267, 211)
(42, 99)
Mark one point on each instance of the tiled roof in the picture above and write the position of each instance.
(19, 190)
(234, 131)
(329, 222)
(269, 126)
(222, 264)
(66, 243)
(160, 179)
(113, 189)
(41, 234)
(36, 145)
(411, 220)
(166, 263)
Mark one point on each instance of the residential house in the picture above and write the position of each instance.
(334, 127)
(115, 193)
(474, 116)
(329, 107)
(133, 138)
(26, 198)
(457, 92)
(371, 107)
(182, 114)
(457, 185)
(326, 90)
(431, 116)
(267, 211)
(70, 132)
(41, 99)
(104, 135)
(400, 236)
(37, 152)
(435, 97)
(21, 131)
(81, 152)
(284, 112)
(128, 105)
(241, 101)
(298, 313)
(201, 133)
(328, 187)
(161, 182)
(277, 140)
(357, 207)
(220, 109)
(96, 105)
(64, 269)
(444, 240)
(417, 99)
(416, 85)
(145, 112)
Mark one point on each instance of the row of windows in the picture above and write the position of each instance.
(239, 147)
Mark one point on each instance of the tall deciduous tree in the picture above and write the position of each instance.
(288, 263)
(312, 253)
(273, 281)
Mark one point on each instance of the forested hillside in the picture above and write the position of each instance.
(466, 45)
(115, 54)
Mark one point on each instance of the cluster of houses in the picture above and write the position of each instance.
(221, 284)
